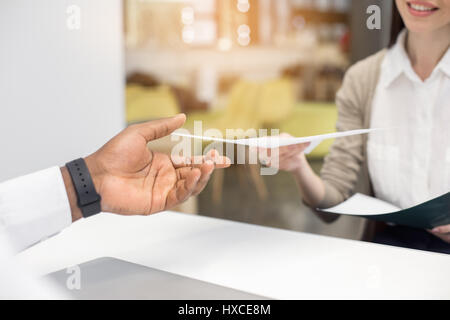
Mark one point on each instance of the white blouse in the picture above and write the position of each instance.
(410, 162)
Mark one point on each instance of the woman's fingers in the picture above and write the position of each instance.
(443, 236)
(286, 157)
(285, 151)
(294, 151)
(442, 229)
(283, 164)
(442, 232)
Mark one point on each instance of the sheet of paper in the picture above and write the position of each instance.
(362, 205)
(276, 142)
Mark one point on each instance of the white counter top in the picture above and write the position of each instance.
(264, 261)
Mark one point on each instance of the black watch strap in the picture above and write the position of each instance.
(88, 198)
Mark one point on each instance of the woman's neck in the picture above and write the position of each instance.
(426, 50)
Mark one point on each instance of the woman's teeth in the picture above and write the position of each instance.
(419, 7)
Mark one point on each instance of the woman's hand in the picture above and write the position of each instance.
(290, 158)
(442, 233)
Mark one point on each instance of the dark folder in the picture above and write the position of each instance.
(428, 215)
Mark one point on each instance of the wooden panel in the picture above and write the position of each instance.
(316, 16)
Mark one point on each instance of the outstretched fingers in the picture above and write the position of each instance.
(205, 165)
(187, 180)
(206, 170)
(220, 162)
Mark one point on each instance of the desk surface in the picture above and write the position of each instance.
(264, 261)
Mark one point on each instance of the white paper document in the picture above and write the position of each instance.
(276, 142)
(362, 205)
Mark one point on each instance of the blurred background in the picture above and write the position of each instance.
(240, 64)
(75, 72)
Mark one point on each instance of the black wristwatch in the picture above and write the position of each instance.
(88, 200)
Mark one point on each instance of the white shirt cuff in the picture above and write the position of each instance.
(34, 207)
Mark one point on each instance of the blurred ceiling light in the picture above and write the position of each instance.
(187, 15)
(243, 6)
(166, 1)
(205, 32)
(244, 41)
(299, 22)
(244, 35)
(188, 34)
(204, 6)
(244, 29)
(225, 44)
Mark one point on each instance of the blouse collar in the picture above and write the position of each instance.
(397, 62)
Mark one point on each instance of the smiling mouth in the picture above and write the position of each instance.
(421, 8)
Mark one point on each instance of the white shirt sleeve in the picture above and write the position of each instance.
(34, 207)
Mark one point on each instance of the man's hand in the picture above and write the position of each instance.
(442, 233)
(133, 180)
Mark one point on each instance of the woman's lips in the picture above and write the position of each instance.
(421, 9)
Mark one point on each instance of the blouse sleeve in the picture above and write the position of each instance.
(343, 164)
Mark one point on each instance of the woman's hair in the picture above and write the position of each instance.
(397, 24)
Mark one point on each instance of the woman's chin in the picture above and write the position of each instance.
(422, 27)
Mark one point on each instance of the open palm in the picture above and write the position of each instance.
(135, 180)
